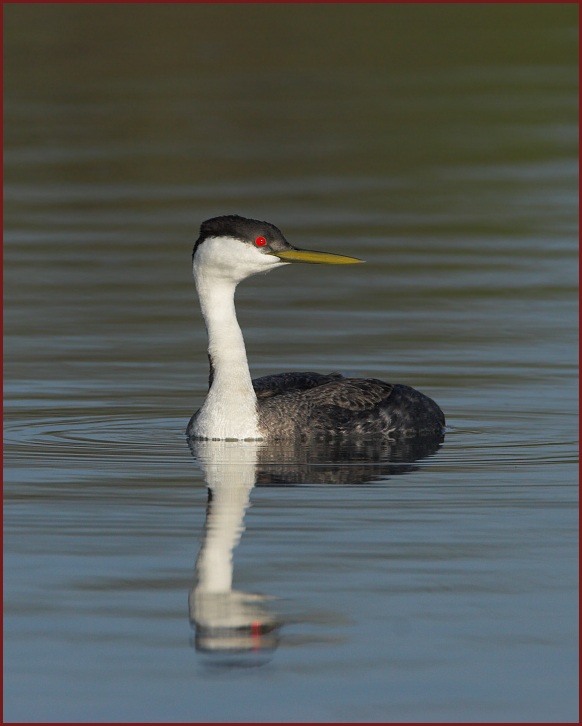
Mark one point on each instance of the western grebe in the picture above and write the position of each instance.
(288, 405)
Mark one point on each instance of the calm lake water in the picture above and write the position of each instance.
(149, 581)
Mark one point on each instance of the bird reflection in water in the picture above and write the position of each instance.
(227, 621)
(233, 627)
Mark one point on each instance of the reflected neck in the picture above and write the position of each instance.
(230, 472)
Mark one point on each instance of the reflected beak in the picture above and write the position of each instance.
(315, 258)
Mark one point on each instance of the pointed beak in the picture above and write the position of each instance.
(315, 258)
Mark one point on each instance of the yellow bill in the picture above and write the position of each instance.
(315, 258)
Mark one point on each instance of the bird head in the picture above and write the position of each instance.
(233, 247)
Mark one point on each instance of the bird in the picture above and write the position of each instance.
(286, 406)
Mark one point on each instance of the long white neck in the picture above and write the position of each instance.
(230, 408)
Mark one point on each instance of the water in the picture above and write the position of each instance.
(437, 143)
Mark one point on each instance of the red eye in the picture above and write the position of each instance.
(260, 241)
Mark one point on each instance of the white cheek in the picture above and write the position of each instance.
(231, 259)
